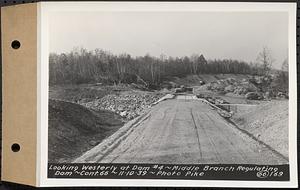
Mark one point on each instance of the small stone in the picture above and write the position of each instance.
(123, 114)
(93, 142)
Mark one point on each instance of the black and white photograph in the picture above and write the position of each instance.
(170, 88)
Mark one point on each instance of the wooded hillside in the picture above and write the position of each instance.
(82, 66)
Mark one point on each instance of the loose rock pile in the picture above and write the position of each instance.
(231, 85)
(127, 104)
(253, 88)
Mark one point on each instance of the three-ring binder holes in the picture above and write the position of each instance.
(15, 147)
(15, 44)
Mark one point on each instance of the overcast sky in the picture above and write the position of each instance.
(216, 35)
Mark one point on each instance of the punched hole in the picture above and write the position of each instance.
(15, 147)
(15, 44)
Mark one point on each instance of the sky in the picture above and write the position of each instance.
(216, 35)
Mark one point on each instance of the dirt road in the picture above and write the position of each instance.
(181, 131)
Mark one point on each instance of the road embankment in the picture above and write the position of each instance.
(179, 131)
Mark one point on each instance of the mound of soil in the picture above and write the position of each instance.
(74, 129)
(268, 122)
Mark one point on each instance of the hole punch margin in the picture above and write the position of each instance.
(15, 147)
(16, 44)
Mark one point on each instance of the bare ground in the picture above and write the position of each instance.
(175, 131)
(74, 129)
(180, 131)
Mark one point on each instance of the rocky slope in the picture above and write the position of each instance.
(129, 104)
(268, 122)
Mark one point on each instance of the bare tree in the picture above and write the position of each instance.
(285, 65)
(266, 60)
(194, 65)
(83, 66)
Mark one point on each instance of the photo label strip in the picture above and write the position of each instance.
(168, 171)
(160, 94)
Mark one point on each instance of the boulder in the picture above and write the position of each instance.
(229, 88)
(128, 105)
(123, 114)
(93, 142)
(258, 79)
(245, 80)
(267, 95)
(231, 80)
(253, 96)
(282, 95)
(240, 90)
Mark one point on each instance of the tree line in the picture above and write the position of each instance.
(83, 66)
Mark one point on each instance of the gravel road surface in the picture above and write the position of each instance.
(181, 131)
